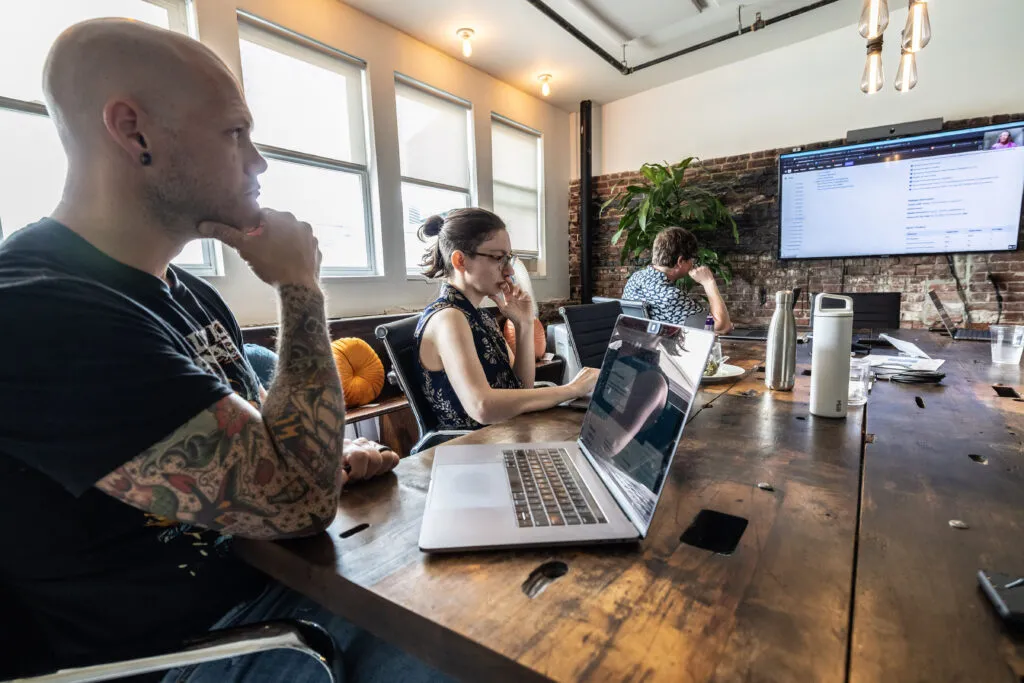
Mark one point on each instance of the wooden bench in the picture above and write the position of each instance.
(397, 424)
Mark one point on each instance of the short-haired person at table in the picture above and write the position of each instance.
(672, 257)
(135, 438)
(465, 369)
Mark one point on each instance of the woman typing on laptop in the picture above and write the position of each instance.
(465, 369)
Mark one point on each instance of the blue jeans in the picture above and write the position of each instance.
(362, 657)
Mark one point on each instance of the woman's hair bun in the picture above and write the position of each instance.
(430, 228)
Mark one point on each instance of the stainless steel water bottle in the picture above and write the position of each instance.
(780, 363)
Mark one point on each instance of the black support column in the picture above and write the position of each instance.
(587, 214)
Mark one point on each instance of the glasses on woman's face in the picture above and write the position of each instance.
(503, 260)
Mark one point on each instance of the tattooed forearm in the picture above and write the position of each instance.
(263, 475)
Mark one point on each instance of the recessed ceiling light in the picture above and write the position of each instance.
(466, 34)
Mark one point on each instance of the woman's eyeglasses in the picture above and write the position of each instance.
(503, 260)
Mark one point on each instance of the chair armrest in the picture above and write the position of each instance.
(303, 636)
(431, 439)
(544, 384)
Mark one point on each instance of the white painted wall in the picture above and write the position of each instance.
(387, 50)
(809, 91)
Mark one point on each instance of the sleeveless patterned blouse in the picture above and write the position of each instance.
(490, 347)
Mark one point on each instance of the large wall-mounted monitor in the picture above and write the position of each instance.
(951, 192)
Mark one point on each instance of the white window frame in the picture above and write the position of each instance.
(471, 190)
(526, 254)
(181, 18)
(303, 43)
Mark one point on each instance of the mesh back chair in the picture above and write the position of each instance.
(400, 341)
(875, 311)
(590, 328)
(637, 309)
(25, 654)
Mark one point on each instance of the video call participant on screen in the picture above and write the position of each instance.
(672, 258)
(1005, 141)
(135, 438)
(464, 364)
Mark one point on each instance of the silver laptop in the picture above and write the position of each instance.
(602, 487)
(955, 333)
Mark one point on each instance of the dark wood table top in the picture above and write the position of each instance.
(918, 612)
(784, 606)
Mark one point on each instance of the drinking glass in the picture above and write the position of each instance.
(860, 374)
(1007, 343)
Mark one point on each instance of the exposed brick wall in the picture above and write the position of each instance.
(748, 184)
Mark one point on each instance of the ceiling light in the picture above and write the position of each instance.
(874, 18)
(906, 77)
(918, 32)
(466, 35)
(545, 84)
(873, 78)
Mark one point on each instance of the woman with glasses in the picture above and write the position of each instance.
(465, 369)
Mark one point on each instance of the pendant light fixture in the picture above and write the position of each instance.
(466, 35)
(906, 77)
(918, 31)
(873, 78)
(874, 19)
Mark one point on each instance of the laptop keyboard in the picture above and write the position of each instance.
(547, 489)
(972, 335)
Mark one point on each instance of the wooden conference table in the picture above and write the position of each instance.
(848, 568)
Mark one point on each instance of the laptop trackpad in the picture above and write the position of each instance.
(458, 487)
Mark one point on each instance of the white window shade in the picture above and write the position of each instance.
(436, 155)
(433, 137)
(28, 29)
(308, 106)
(301, 99)
(32, 163)
(518, 199)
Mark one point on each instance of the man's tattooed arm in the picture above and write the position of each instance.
(232, 469)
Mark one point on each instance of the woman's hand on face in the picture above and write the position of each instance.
(515, 304)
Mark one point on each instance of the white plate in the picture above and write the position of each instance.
(725, 373)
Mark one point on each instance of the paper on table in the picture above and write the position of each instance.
(905, 347)
(930, 364)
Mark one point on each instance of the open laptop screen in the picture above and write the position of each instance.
(947, 322)
(636, 416)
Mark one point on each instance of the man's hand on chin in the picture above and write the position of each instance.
(364, 459)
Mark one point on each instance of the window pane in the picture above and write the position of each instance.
(29, 28)
(329, 200)
(519, 209)
(515, 156)
(418, 204)
(433, 137)
(301, 99)
(191, 255)
(32, 169)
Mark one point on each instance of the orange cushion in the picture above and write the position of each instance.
(540, 341)
(362, 373)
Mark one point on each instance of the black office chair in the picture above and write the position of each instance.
(590, 328)
(637, 309)
(400, 342)
(24, 655)
(875, 311)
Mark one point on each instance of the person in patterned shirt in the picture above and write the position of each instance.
(672, 258)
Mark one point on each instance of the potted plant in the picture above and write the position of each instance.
(666, 200)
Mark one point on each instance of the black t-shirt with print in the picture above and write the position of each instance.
(99, 361)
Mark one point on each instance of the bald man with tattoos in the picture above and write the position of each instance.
(135, 439)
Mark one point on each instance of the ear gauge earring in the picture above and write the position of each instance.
(145, 158)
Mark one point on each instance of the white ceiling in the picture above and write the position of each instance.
(515, 42)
